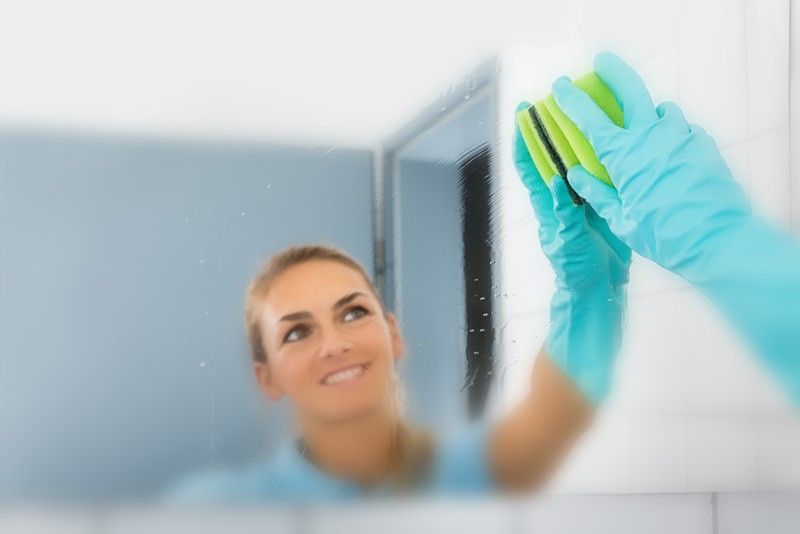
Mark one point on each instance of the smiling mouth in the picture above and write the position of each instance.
(345, 376)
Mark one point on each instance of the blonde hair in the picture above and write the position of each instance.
(279, 263)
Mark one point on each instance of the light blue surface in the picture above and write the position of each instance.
(591, 267)
(677, 204)
(124, 267)
(460, 468)
(430, 284)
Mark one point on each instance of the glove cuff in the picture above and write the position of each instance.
(585, 336)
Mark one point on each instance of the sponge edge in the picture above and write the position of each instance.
(570, 144)
(535, 147)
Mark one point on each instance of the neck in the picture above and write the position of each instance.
(362, 448)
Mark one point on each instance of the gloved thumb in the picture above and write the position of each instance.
(601, 196)
(579, 107)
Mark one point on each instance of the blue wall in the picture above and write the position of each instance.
(432, 292)
(123, 267)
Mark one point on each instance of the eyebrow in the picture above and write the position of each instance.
(339, 303)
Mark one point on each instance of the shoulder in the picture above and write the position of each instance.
(462, 461)
(226, 486)
(281, 476)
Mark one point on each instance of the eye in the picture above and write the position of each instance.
(354, 308)
(298, 328)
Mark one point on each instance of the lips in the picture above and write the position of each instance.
(344, 375)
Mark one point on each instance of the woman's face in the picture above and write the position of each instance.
(329, 346)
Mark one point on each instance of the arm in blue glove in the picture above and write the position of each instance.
(676, 203)
(591, 266)
(573, 371)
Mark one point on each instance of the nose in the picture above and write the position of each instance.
(334, 343)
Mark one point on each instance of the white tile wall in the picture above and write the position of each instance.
(720, 454)
(650, 374)
(600, 462)
(712, 78)
(436, 516)
(794, 111)
(723, 376)
(199, 520)
(753, 513)
(47, 520)
(654, 514)
(769, 183)
(767, 56)
(692, 410)
(778, 453)
(658, 453)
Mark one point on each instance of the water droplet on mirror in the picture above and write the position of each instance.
(203, 363)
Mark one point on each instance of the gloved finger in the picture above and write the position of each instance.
(592, 121)
(673, 115)
(600, 225)
(601, 196)
(572, 218)
(628, 88)
(540, 196)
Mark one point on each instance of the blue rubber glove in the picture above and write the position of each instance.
(676, 203)
(591, 267)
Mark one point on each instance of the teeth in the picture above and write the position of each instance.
(345, 375)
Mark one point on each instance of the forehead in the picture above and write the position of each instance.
(311, 285)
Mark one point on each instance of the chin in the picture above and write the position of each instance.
(344, 407)
(348, 408)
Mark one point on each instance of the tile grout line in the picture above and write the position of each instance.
(793, 209)
(714, 513)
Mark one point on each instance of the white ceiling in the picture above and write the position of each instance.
(344, 73)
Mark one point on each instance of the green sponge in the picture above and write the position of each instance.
(556, 144)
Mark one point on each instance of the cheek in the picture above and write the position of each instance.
(296, 369)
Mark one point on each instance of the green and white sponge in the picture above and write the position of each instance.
(555, 143)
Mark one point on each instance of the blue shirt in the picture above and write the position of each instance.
(459, 467)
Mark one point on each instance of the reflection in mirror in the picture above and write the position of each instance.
(127, 261)
(138, 253)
